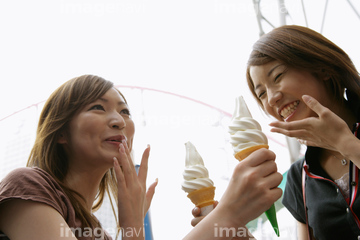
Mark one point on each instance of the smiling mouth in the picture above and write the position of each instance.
(288, 110)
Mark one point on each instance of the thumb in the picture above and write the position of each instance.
(150, 194)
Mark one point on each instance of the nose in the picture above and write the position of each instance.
(117, 121)
(274, 95)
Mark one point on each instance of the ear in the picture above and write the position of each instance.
(62, 139)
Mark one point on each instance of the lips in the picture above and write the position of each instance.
(116, 139)
(289, 109)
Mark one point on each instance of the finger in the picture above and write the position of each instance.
(294, 125)
(313, 104)
(128, 172)
(300, 133)
(118, 172)
(273, 180)
(276, 193)
(196, 212)
(128, 156)
(266, 168)
(258, 157)
(150, 194)
(296, 129)
(144, 165)
(195, 221)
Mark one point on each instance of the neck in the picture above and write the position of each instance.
(86, 182)
(344, 112)
(331, 162)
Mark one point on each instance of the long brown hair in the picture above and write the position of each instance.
(303, 48)
(50, 156)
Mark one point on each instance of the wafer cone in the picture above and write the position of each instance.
(271, 212)
(247, 151)
(203, 198)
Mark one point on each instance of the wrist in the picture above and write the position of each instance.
(350, 150)
(132, 232)
(224, 219)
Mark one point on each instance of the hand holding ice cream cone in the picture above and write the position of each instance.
(246, 137)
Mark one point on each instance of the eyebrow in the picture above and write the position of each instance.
(106, 101)
(269, 73)
(271, 70)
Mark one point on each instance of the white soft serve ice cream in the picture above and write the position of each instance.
(196, 176)
(244, 131)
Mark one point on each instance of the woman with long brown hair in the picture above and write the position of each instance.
(85, 133)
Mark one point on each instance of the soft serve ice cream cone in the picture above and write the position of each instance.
(246, 137)
(245, 132)
(197, 184)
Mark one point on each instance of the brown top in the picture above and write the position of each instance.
(36, 185)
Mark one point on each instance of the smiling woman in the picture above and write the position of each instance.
(274, 79)
(312, 88)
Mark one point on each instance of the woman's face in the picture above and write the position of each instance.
(96, 131)
(280, 89)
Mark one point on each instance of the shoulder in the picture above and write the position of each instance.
(292, 198)
(23, 172)
(294, 177)
(31, 217)
(29, 178)
(295, 171)
(36, 185)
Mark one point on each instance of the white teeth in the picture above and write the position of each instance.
(287, 111)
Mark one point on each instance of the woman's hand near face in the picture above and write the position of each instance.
(327, 130)
(133, 199)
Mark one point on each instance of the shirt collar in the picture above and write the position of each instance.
(312, 157)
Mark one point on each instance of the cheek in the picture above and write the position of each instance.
(268, 109)
(272, 112)
(85, 130)
(130, 130)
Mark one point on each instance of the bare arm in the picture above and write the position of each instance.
(214, 226)
(242, 232)
(21, 219)
(302, 233)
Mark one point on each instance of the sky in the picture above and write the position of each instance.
(194, 48)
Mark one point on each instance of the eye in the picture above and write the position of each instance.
(261, 94)
(125, 111)
(277, 77)
(97, 107)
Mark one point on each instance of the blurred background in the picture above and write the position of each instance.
(180, 64)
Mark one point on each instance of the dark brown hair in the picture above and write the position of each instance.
(303, 48)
